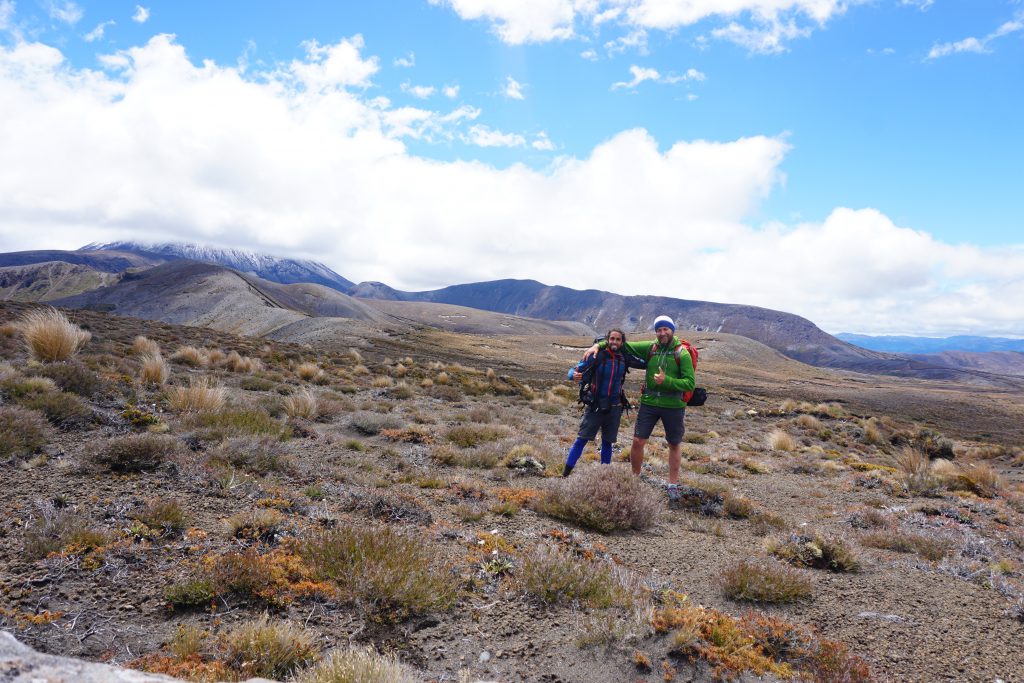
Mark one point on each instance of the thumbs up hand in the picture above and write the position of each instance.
(660, 377)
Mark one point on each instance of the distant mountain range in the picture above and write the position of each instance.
(284, 270)
(249, 293)
(905, 344)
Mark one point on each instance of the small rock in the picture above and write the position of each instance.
(485, 657)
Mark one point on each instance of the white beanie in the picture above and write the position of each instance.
(664, 321)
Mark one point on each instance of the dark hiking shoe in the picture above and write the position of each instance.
(673, 493)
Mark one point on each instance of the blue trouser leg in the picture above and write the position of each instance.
(606, 452)
(575, 451)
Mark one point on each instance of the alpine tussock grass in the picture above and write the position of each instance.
(50, 336)
(201, 395)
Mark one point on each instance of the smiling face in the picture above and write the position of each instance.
(614, 340)
(664, 334)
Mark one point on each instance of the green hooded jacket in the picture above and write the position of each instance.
(679, 377)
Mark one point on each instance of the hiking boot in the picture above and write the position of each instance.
(673, 493)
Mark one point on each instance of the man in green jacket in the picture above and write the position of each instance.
(669, 376)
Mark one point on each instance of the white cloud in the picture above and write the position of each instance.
(521, 21)
(406, 62)
(333, 66)
(758, 25)
(976, 45)
(450, 91)
(64, 10)
(543, 143)
(919, 4)
(279, 162)
(636, 39)
(419, 91)
(97, 33)
(482, 136)
(589, 54)
(642, 74)
(513, 89)
(141, 15)
(766, 38)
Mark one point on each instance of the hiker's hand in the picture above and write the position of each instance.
(660, 377)
(591, 352)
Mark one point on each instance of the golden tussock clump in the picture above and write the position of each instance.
(50, 336)
(779, 440)
(201, 395)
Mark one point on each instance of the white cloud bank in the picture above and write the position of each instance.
(302, 160)
(758, 25)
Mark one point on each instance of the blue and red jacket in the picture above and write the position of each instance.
(609, 373)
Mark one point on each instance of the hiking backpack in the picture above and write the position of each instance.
(699, 395)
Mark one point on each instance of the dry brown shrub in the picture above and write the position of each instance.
(928, 547)
(268, 649)
(389, 574)
(913, 471)
(603, 498)
(442, 378)
(815, 552)
(979, 478)
(768, 583)
(556, 577)
(789, 406)
(202, 395)
(138, 452)
(22, 431)
(381, 381)
(50, 336)
(359, 665)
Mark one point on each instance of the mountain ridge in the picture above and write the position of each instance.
(275, 269)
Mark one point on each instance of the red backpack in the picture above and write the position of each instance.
(683, 344)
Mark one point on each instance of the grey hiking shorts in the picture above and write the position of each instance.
(671, 418)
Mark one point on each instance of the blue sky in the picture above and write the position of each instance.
(859, 163)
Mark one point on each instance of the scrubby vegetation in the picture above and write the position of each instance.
(295, 511)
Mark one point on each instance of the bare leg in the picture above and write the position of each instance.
(636, 456)
(674, 453)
